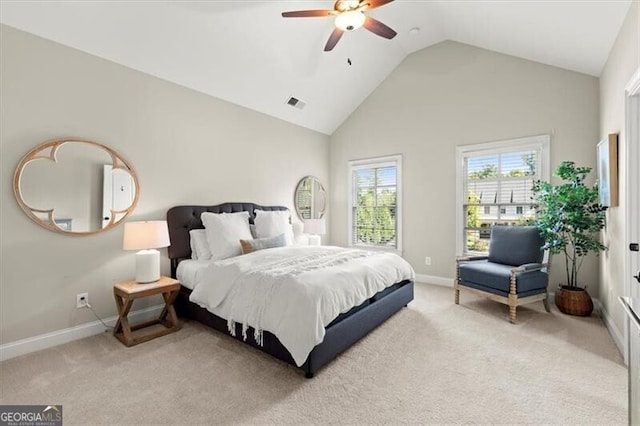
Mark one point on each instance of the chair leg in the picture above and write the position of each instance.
(545, 301)
(513, 298)
(456, 287)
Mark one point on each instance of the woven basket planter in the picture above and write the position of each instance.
(574, 301)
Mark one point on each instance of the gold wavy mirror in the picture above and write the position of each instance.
(75, 186)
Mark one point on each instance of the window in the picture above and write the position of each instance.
(494, 182)
(304, 198)
(375, 207)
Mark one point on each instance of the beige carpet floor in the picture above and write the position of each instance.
(433, 362)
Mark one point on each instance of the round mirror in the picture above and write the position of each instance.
(310, 198)
(75, 186)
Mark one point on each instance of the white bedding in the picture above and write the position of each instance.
(189, 271)
(295, 292)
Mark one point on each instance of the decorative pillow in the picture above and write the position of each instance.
(249, 246)
(273, 223)
(224, 232)
(199, 245)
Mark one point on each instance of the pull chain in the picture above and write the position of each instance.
(349, 49)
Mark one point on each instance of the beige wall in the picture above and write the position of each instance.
(188, 148)
(453, 94)
(623, 61)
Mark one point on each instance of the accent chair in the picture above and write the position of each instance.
(513, 273)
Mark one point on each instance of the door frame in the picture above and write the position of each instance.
(632, 180)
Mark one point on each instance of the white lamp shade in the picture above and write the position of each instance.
(315, 226)
(145, 235)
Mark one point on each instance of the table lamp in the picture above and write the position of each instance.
(146, 237)
(315, 227)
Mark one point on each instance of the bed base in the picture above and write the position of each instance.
(340, 334)
(343, 332)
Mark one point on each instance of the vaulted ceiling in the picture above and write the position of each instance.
(246, 53)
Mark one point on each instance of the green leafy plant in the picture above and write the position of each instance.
(569, 217)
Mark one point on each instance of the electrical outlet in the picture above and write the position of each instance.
(427, 261)
(82, 300)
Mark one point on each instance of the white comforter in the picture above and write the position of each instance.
(294, 292)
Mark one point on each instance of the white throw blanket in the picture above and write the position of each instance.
(295, 292)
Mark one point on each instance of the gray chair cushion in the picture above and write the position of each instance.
(515, 245)
(494, 277)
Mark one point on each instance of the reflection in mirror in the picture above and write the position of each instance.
(75, 186)
(310, 198)
(118, 193)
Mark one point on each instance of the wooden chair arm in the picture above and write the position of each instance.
(461, 259)
(529, 267)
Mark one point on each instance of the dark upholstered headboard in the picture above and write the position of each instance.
(182, 219)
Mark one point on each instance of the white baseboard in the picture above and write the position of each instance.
(617, 337)
(431, 279)
(55, 338)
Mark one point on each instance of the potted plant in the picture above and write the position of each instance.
(570, 218)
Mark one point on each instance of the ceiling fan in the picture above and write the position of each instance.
(349, 16)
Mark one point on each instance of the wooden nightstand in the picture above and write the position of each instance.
(126, 292)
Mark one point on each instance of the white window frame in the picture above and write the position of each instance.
(391, 160)
(539, 143)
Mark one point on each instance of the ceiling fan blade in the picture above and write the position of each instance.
(333, 39)
(372, 4)
(307, 13)
(378, 28)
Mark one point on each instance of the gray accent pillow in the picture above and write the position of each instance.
(515, 245)
(249, 246)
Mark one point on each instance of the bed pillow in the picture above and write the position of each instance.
(192, 244)
(224, 232)
(249, 246)
(199, 245)
(273, 223)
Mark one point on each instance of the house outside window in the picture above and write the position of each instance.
(494, 187)
(375, 206)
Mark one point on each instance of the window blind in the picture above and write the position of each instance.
(374, 204)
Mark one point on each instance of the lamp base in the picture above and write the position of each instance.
(147, 266)
(315, 240)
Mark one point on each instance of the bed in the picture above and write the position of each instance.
(342, 332)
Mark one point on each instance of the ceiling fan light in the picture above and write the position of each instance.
(349, 21)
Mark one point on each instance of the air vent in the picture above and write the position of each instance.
(296, 103)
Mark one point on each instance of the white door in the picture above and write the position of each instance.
(117, 193)
(632, 282)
